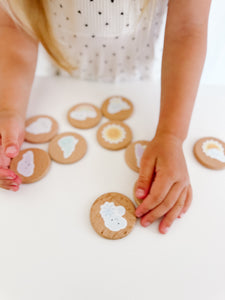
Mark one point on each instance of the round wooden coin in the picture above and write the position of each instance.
(31, 164)
(67, 148)
(113, 216)
(210, 152)
(84, 116)
(133, 154)
(117, 108)
(114, 135)
(40, 129)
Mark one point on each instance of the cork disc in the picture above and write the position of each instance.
(137, 201)
(31, 165)
(114, 135)
(133, 154)
(84, 116)
(210, 152)
(40, 129)
(67, 148)
(113, 216)
(117, 108)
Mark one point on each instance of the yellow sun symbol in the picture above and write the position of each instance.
(211, 144)
(214, 149)
(113, 134)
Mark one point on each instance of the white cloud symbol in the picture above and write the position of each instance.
(26, 165)
(67, 144)
(116, 105)
(216, 154)
(139, 151)
(81, 113)
(214, 150)
(40, 126)
(112, 216)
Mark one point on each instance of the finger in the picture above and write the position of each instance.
(146, 175)
(9, 178)
(187, 202)
(10, 187)
(17, 180)
(4, 160)
(10, 140)
(164, 207)
(7, 174)
(9, 182)
(172, 214)
(20, 139)
(158, 192)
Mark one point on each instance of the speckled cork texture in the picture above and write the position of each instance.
(113, 216)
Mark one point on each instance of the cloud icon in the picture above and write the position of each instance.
(214, 150)
(116, 104)
(26, 165)
(40, 126)
(82, 112)
(67, 144)
(139, 151)
(112, 216)
(216, 154)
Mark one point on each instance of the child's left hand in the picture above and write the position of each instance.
(163, 182)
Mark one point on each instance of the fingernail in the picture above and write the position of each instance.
(140, 193)
(146, 224)
(14, 184)
(166, 229)
(138, 215)
(181, 215)
(12, 150)
(10, 178)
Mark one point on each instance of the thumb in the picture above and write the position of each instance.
(146, 176)
(10, 141)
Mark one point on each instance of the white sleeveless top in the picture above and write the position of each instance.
(108, 40)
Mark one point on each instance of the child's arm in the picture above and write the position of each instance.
(163, 160)
(18, 55)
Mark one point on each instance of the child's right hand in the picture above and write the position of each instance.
(11, 139)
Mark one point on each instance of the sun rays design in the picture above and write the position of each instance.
(213, 149)
(113, 133)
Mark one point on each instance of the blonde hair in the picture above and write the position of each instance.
(33, 17)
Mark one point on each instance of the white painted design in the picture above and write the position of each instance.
(214, 150)
(114, 133)
(67, 144)
(83, 112)
(117, 104)
(26, 165)
(40, 126)
(139, 151)
(112, 216)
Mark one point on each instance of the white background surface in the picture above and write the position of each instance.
(49, 250)
(214, 71)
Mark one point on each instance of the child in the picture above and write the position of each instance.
(110, 40)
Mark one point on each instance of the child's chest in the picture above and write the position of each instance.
(97, 18)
